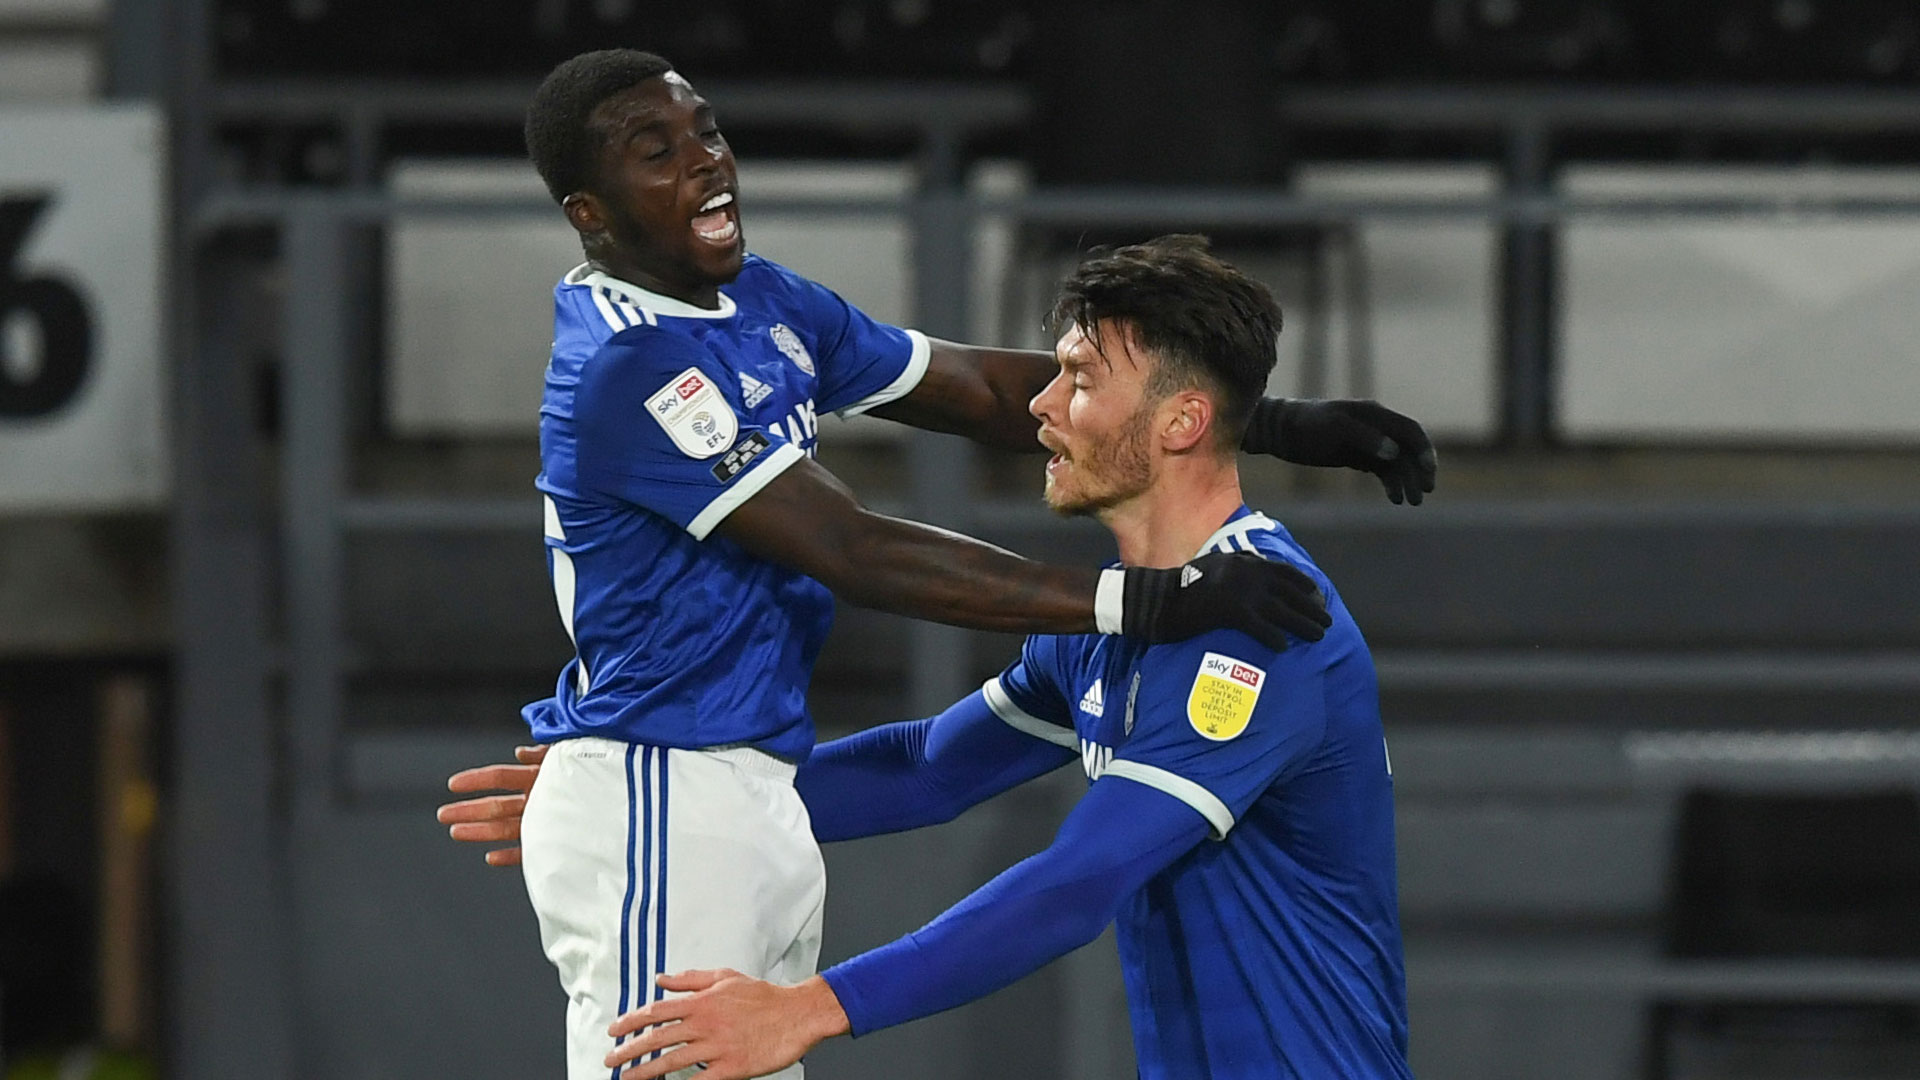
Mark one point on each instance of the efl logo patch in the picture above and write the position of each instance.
(694, 415)
(736, 460)
(789, 342)
(1223, 695)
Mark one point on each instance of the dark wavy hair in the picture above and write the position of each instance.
(1209, 325)
(563, 148)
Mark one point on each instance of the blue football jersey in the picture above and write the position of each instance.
(659, 419)
(1272, 950)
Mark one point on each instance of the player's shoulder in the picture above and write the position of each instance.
(758, 271)
(777, 291)
(762, 282)
(579, 326)
(1236, 656)
(1049, 662)
(585, 305)
(600, 323)
(645, 361)
(1229, 651)
(573, 284)
(1058, 649)
(1264, 536)
(646, 348)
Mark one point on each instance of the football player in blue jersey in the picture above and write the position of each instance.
(695, 547)
(1239, 822)
(1238, 826)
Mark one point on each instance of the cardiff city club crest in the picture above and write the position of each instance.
(789, 342)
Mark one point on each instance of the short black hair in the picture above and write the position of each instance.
(1209, 324)
(563, 150)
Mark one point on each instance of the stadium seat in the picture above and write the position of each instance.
(1759, 876)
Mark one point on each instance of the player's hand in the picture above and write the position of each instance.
(493, 819)
(1225, 590)
(1364, 435)
(735, 1026)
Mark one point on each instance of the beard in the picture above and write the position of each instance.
(1106, 473)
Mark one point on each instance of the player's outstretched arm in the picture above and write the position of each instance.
(1117, 838)
(979, 393)
(806, 519)
(982, 394)
(919, 772)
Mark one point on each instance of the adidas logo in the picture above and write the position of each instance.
(752, 390)
(1094, 703)
(1188, 575)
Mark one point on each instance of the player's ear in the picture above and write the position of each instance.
(584, 213)
(1187, 421)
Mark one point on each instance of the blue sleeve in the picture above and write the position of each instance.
(922, 772)
(658, 425)
(1116, 839)
(1220, 718)
(863, 363)
(1028, 695)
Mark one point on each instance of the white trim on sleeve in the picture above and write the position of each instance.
(1106, 600)
(1020, 719)
(1202, 800)
(777, 461)
(910, 377)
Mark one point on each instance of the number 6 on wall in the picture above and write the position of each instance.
(57, 311)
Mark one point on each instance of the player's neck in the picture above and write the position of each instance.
(1187, 503)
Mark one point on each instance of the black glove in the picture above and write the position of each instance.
(1225, 590)
(1364, 435)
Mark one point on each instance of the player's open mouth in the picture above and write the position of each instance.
(1055, 462)
(717, 222)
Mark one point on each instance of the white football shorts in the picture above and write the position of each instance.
(641, 860)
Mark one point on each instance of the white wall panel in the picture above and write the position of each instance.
(470, 302)
(1803, 327)
(1432, 292)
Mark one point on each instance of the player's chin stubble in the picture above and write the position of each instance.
(1105, 474)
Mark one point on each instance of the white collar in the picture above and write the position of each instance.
(585, 274)
(1237, 527)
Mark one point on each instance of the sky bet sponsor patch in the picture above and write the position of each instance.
(1223, 695)
(694, 415)
(737, 459)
